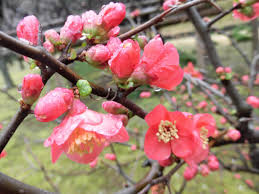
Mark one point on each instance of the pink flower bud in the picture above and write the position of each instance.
(135, 13)
(93, 164)
(114, 32)
(223, 120)
(3, 154)
(190, 172)
(253, 101)
(72, 29)
(237, 176)
(212, 158)
(228, 70)
(202, 105)
(124, 60)
(1, 126)
(97, 55)
(233, 134)
(28, 29)
(215, 86)
(189, 104)
(49, 46)
(213, 109)
(250, 183)
(113, 45)
(114, 107)
(91, 22)
(53, 104)
(213, 165)
(145, 94)
(204, 170)
(245, 79)
(52, 36)
(133, 147)
(112, 15)
(168, 3)
(220, 70)
(110, 156)
(31, 88)
(174, 99)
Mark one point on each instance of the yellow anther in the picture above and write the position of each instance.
(167, 131)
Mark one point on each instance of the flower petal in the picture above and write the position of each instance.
(156, 115)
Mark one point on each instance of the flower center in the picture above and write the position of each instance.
(83, 142)
(204, 137)
(167, 131)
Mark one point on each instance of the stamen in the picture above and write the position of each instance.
(167, 131)
(204, 137)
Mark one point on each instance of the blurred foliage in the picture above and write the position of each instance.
(242, 33)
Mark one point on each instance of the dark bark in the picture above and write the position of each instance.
(6, 75)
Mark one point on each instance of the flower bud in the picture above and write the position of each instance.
(112, 15)
(28, 29)
(93, 164)
(31, 88)
(220, 70)
(97, 55)
(114, 108)
(72, 30)
(53, 104)
(204, 170)
(253, 101)
(110, 156)
(52, 36)
(228, 70)
(233, 134)
(91, 22)
(168, 3)
(49, 46)
(190, 172)
(133, 147)
(113, 45)
(213, 165)
(167, 162)
(145, 94)
(3, 154)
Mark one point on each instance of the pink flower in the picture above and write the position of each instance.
(28, 29)
(215, 86)
(135, 13)
(113, 45)
(83, 133)
(145, 94)
(53, 104)
(31, 88)
(1, 126)
(188, 104)
(253, 101)
(114, 107)
(49, 46)
(247, 13)
(110, 156)
(97, 55)
(52, 36)
(245, 79)
(114, 32)
(167, 162)
(237, 176)
(250, 183)
(160, 64)
(72, 29)
(202, 105)
(219, 70)
(213, 165)
(204, 170)
(223, 120)
(228, 70)
(233, 134)
(193, 72)
(124, 60)
(3, 154)
(112, 15)
(169, 132)
(213, 109)
(168, 3)
(133, 147)
(93, 164)
(190, 172)
(174, 99)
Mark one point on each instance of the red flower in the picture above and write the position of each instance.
(97, 55)
(110, 156)
(167, 162)
(124, 60)
(190, 69)
(168, 3)
(112, 15)
(28, 29)
(169, 132)
(160, 63)
(233, 134)
(114, 107)
(247, 13)
(31, 88)
(83, 133)
(93, 164)
(72, 29)
(253, 101)
(53, 104)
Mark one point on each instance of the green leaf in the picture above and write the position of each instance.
(84, 87)
(73, 54)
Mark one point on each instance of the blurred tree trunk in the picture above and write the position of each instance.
(7, 78)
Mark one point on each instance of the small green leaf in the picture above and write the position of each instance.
(73, 54)
(228, 76)
(84, 87)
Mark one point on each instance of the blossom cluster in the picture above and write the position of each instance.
(249, 10)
